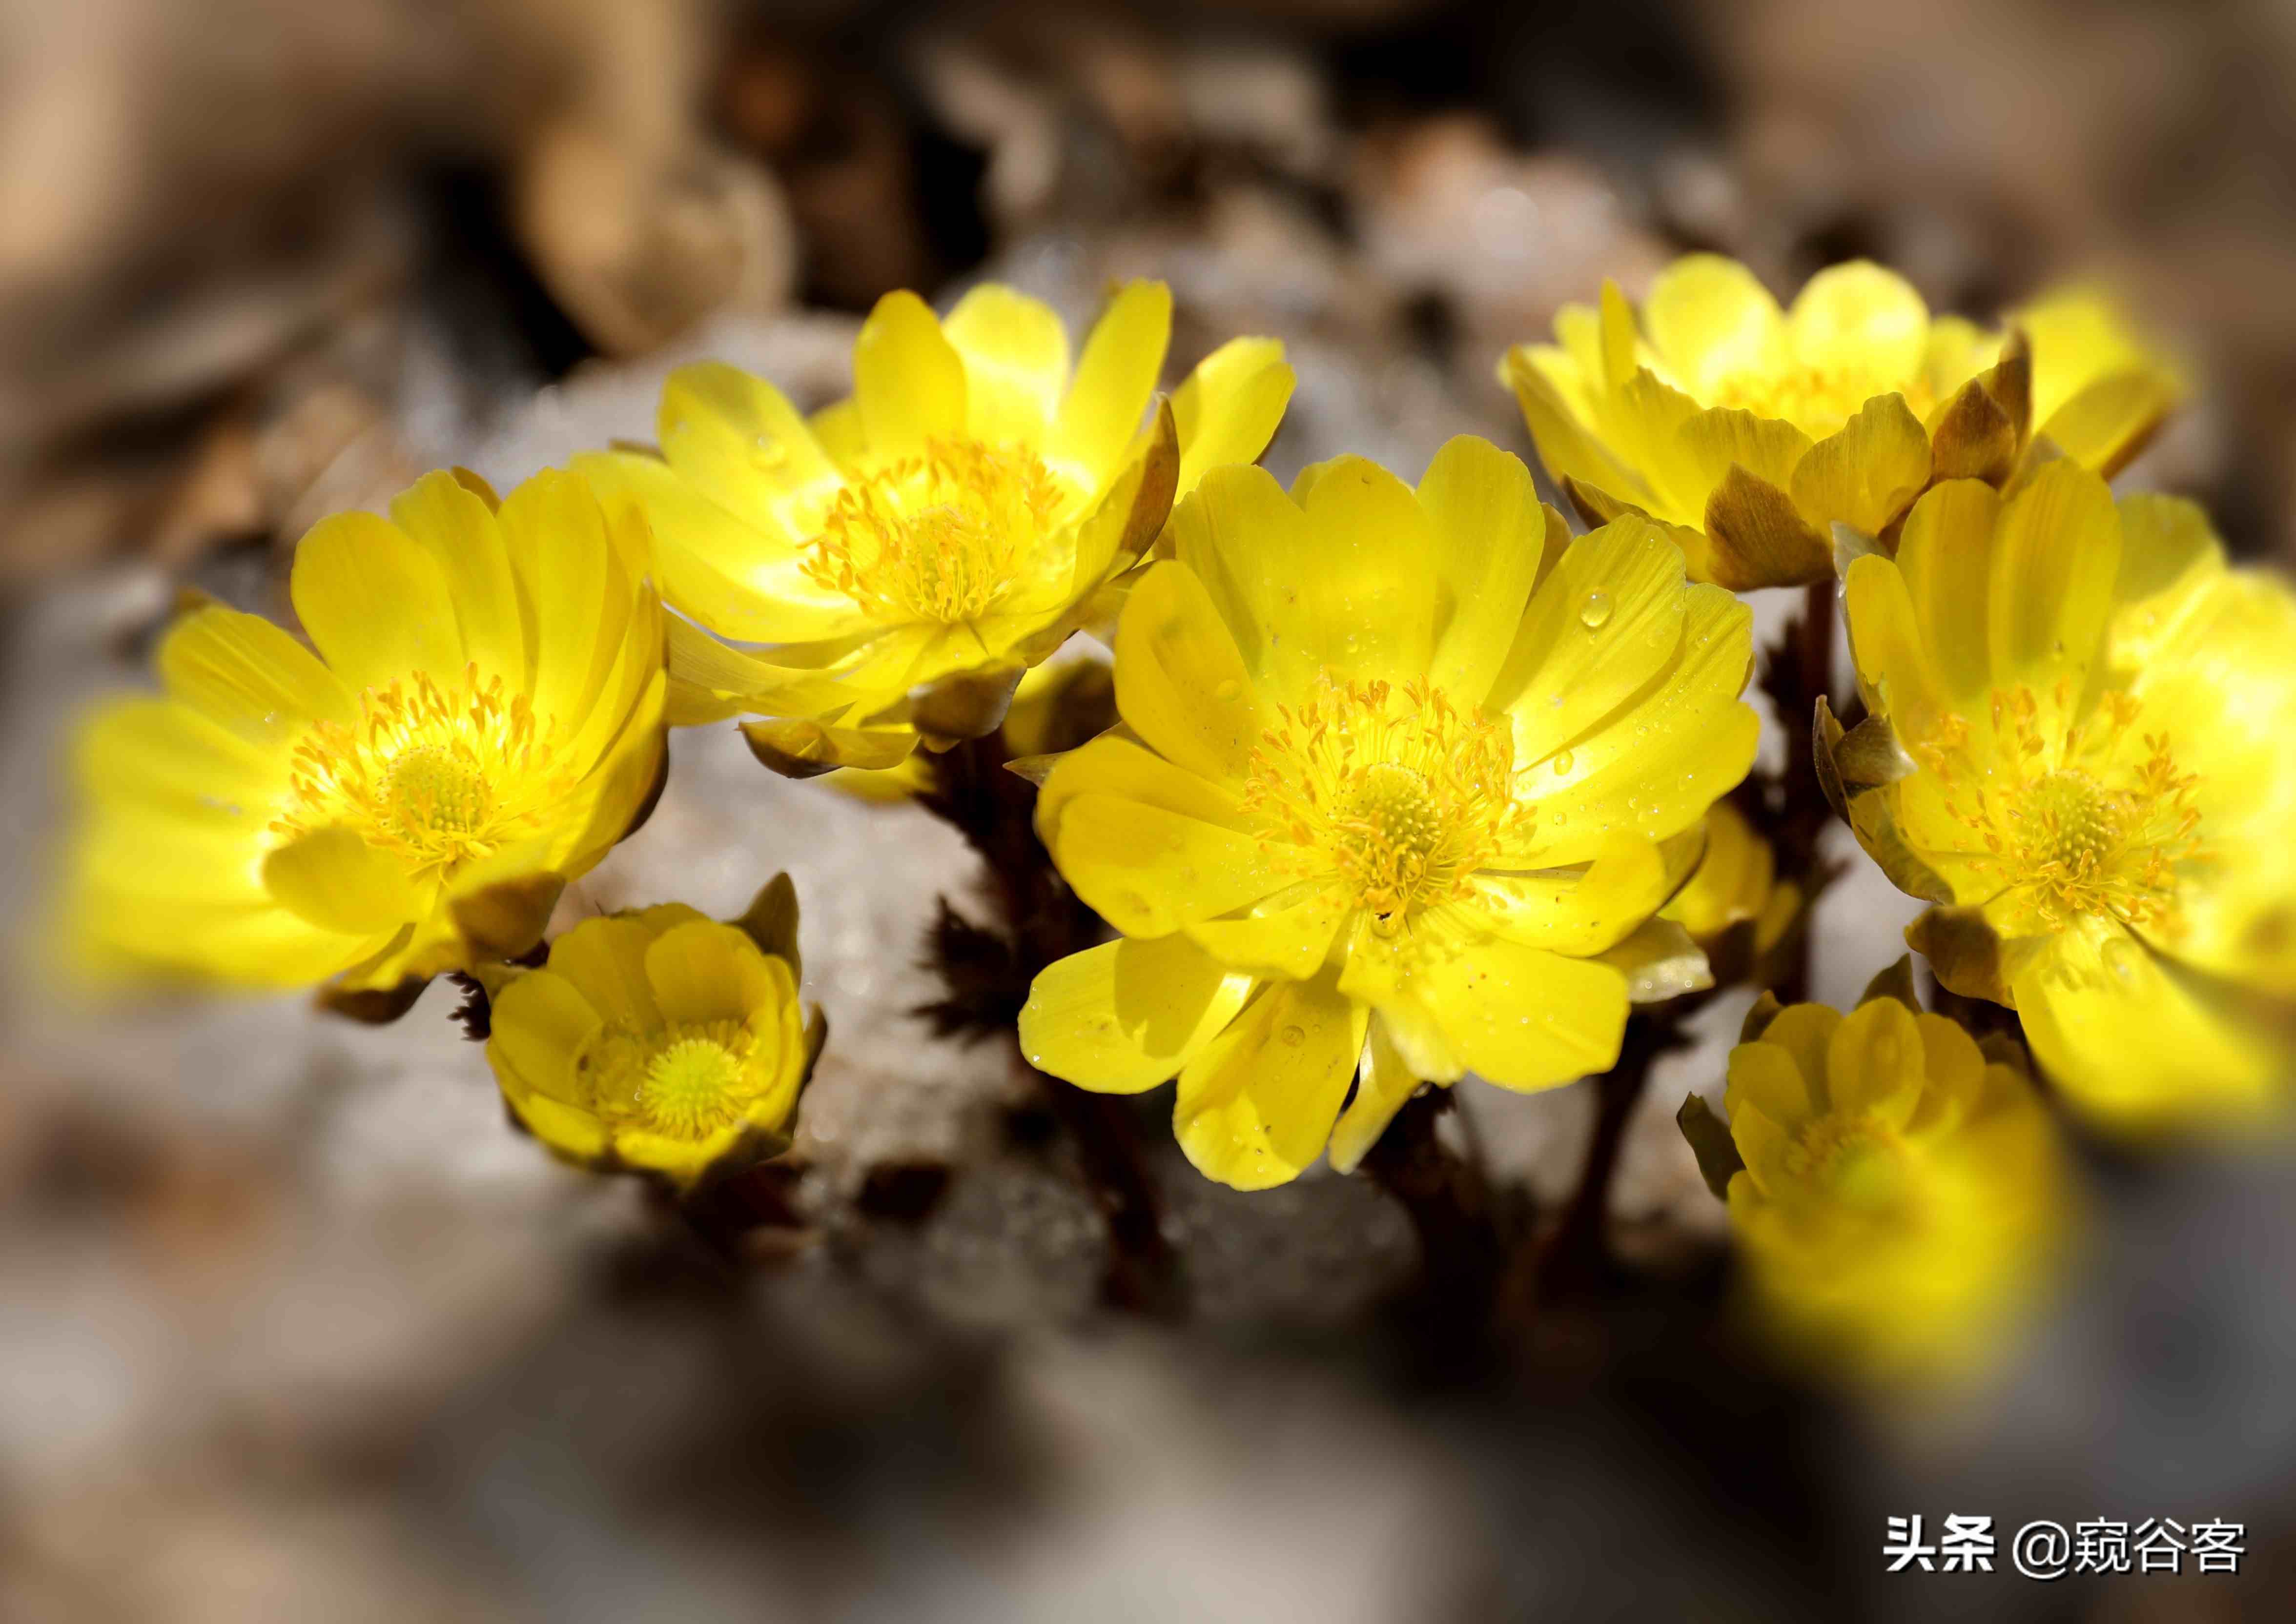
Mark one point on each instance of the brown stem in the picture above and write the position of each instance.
(1577, 1256)
(1451, 1210)
(1044, 921)
(1804, 814)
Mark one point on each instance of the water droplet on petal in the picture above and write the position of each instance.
(771, 452)
(1562, 762)
(2120, 957)
(1293, 1036)
(1596, 612)
(1227, 689)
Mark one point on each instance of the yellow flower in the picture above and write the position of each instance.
(481, 721)
(1752, 431)
(1901, 1196)
(915, 548)
(1735, 881)
(2079, 751)
(659, 1040)
(1398, 770)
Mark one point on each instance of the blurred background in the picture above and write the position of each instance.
(293, 1326)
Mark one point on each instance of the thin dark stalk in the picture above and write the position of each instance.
(1452, 1213)
(1041, 920)
(1578, 1255)
(1802, 813)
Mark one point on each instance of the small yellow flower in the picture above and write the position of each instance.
(481, 721)
(1735, 881)
(2089, 716)
(1901, 1199)
(913, 549)
(1398, 770)
(1752, 431)
(659, 1040)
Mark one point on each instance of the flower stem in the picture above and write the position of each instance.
(1042, 920)
(1452, 1213)
(1802, 670)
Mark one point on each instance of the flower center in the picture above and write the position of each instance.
(1851, 1160)
(2091, 820)
(940, 537)
(1393, 792)
(687, 1081)
(694, 1087)
(437, 774)
(1818, 400)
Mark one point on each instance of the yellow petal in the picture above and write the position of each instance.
(1805, 1032)
(542, 1024)
(1709, 318)
(2106, 424)
(1521, 1017)
(1285, 935)
(1368, 604)
(1567, 445)
(1123, 356)
(737, 580)
(605, 959)
(1647, 428)
(1654, 765)
(1764, 1079)
(1894, 669)
(1861, 320)
(457, 527)
(245, 674)
(1113, 765)
(2056, 555)
(1875, 1062)
(1580, 914)
(1016, 363)
(907, 378)
(1180, 682)
(2079, 335)
(374, 600)
(577, 596)
(1763, 1143)
(1248, 543)
(2135, 1043)
(1127, 1015)
(1383, 1086)
(737, 441)
(336, 881)
(1227, 409)
(1599, 628)
(701, 970)
(1946, 555)
(839, 430)
(1956, 351)
(1255, 1106)
(1489, 533)
(2170, 558)
(1867, 474)
(1148, 872)
(1769, 449)
(180, 768)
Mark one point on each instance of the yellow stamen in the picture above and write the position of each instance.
(687, 1081)
(941, 537)
(1817, 400)
(437, 774)
(2089, 819)
(1396, 793)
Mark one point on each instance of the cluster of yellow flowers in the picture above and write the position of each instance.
(1406, 782)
